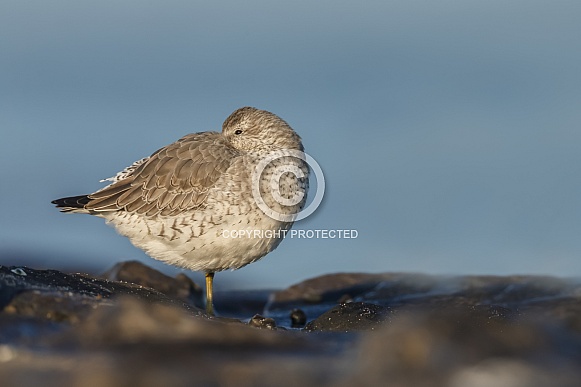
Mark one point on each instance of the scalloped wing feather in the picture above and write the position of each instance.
(175, 178)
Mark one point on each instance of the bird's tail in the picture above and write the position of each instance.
(72, 204)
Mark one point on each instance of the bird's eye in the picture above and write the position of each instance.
(238, 131)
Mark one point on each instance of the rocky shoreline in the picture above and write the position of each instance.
(135, 326)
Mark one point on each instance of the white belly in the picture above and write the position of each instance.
(201, 244)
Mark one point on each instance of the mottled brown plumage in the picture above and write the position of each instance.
(178, 203)
(174, 179)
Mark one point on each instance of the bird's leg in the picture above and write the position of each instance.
(209, 294)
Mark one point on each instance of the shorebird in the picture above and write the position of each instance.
(194, 202)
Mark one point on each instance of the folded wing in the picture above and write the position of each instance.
(174, 179)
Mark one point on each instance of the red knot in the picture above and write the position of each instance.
(181, 204)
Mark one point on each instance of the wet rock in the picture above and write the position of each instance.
(394, 329)
(326, 288)
(298, 318)
(180, 287)
(261, 322)
(40, 304)
(317, 295)
(17, 280)
(345, 298)
(353, 316)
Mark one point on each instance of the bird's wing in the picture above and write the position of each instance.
(124, 173)
(174, 179)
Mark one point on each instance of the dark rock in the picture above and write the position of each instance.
(317, 295)
(353, 316)
(60, 329)
(261, 322)
(345, 298)
(326, 288)
(298, 318)
(180, 287)
(70, 293)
